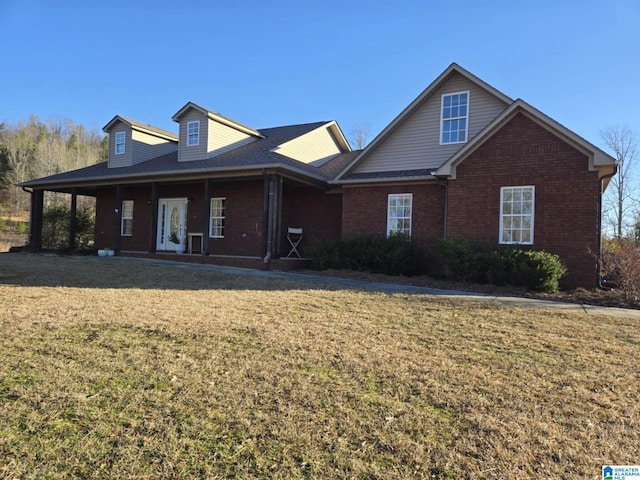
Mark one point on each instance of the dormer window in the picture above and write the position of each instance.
(120, 138)
(193, 133)
(455, 116)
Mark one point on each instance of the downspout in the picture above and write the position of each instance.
(599, 239)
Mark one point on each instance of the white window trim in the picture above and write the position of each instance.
(389, 217)
(533, 211)
(196, 133)
(117, 143)
(122, 221)
(466, 117)
(212, 217)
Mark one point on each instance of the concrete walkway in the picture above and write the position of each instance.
(389, 287)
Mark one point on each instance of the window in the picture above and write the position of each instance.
(516, 214)
(126, 228)
(399, 214)
(193, 133)
(216, 224)
(120, 138)
(455, 116)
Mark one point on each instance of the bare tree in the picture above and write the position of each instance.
(620, 202)
(360, 135)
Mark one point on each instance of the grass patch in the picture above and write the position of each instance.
(108, 371)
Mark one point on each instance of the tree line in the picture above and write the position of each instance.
(35, 148)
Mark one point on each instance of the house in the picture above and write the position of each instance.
(463, 160)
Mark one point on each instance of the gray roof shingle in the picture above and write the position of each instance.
(254, 155)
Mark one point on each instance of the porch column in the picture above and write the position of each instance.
(73, 220)
(205, 217)
(153, 218)
(35, 222)
(278, 216)
(118, 212)
(270, 217)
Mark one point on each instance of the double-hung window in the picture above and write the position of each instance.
(399, 214)
(126, 227)
(216, 221)
(455, 118)
(193, 133)
(517, 206)
(120, 142)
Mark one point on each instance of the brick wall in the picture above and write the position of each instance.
(315, 211)
(566, 195)
(364, 211)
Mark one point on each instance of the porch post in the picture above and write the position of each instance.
(153, 218)
(278, 217)
(118, 212)
(35, 224)
(205, 217)
(73, 220)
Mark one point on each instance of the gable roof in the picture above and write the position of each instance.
(597, 157)
(215, 117)
(427, 93)
(248, 159)
(143, 127)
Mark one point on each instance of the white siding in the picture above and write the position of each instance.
(223, 138)
(146, 146)
(188, 153)
(123, 159)
(415, 143)
(317, 145)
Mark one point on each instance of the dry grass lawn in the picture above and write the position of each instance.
(115, 371)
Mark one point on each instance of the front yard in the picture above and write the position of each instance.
(109, 371)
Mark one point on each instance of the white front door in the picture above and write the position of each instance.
(172, 213)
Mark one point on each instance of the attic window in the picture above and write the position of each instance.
(455, 118)
(120, 138)
(193, 133)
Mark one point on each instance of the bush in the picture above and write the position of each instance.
(55, 227)
(22, 228)
(460, 259)
(325, 254)
(467, 261)
(620, 263)
(391, 255)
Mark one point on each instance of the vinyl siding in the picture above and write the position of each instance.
(188, 153)
(146, 146)
(223, 138)
(415, 143)
(314, 146)
(124, 159)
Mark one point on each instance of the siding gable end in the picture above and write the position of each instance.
(415, 142)
(315, 147)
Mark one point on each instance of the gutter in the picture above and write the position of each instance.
(599, 240)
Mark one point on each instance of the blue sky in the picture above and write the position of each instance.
(276, 62)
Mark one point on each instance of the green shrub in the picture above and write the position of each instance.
(539, 270)
(325, 254)
(55, 227)
(391, 255)
(463, 260)
(3, 225)
(22, 228)
(460, 259)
